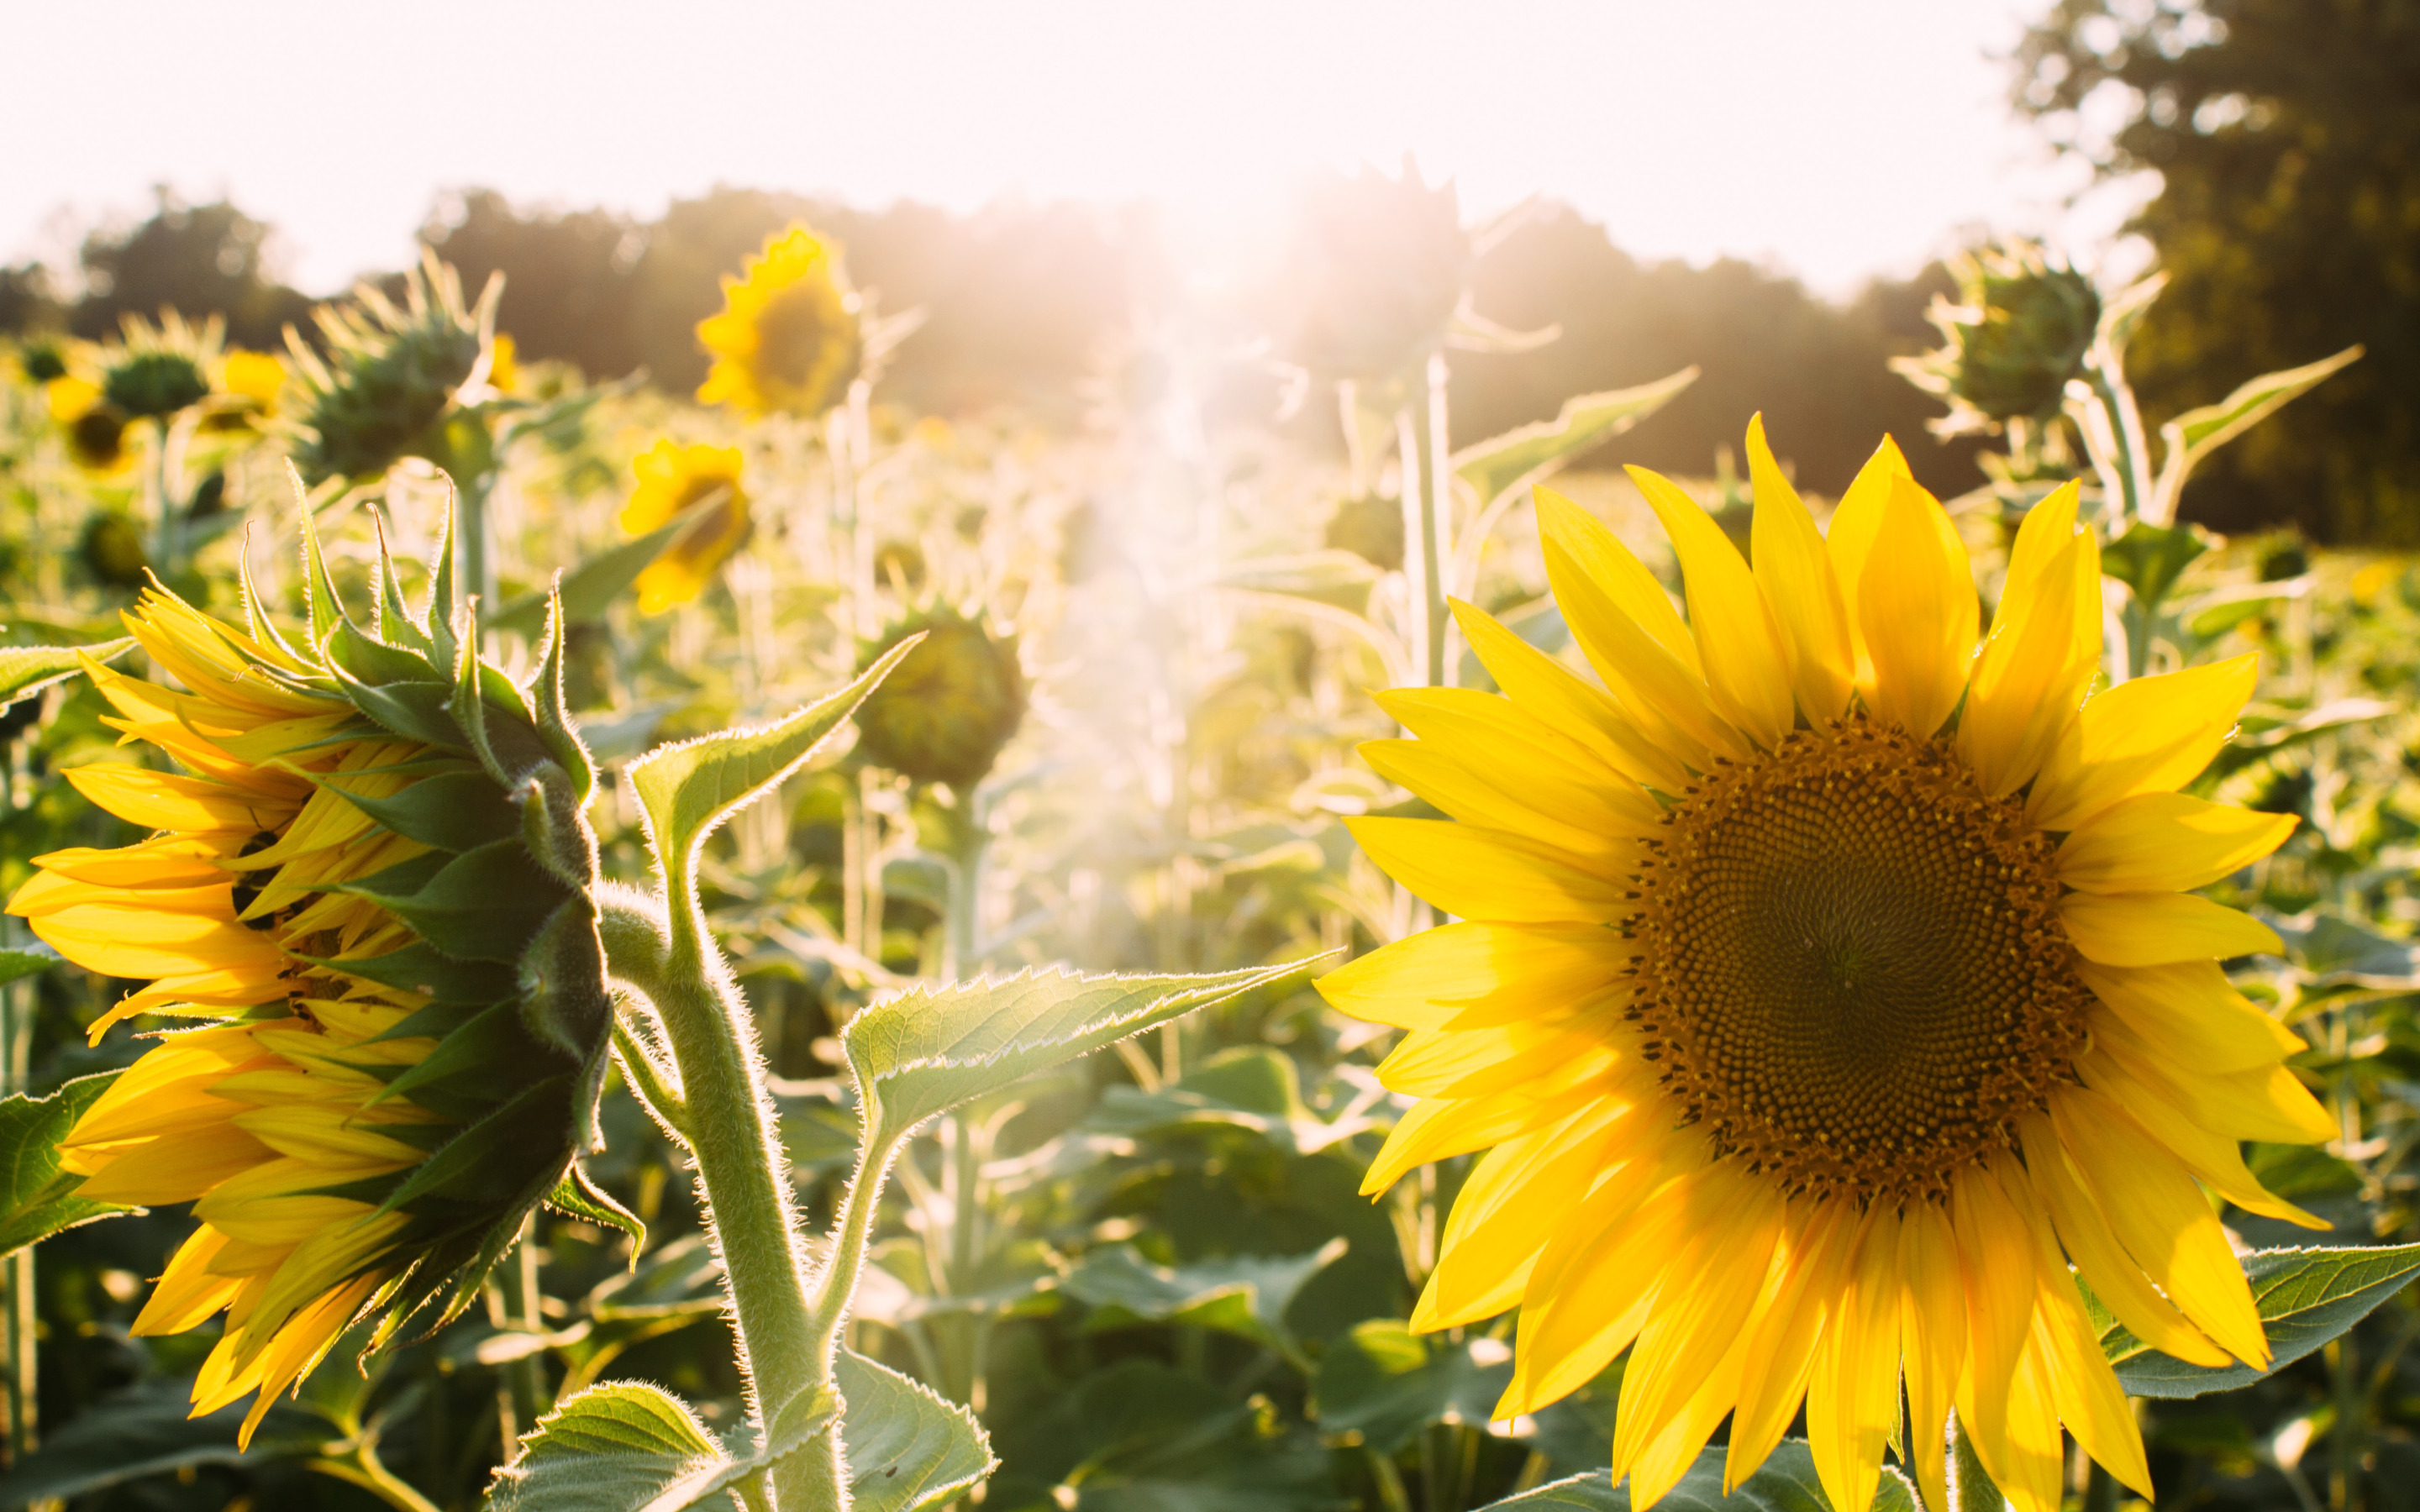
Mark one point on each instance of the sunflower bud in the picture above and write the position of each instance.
(373, 872)
(1383, 263)
(97, 439)
(673, 481)
(788, 339)
(945, 713)
(2020, 332)
(112, 548)
(162, 369)
(390, 374)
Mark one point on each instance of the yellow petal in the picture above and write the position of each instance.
(1477, 1062)
(1559, 696)
(2028, 678)
(1933, 1340)
(1590, 1291)
(2192, 1012)
(1475, 874)
(187, 1294)
(1471, 974)
(2152, 734)
(2265, 1102)
(2160, 1217)
(2153, 928)
(1995, 1265)
(2166, 841)
(179, 1169)
(2175, 1117)
(1439, 1127)
(1811, 1265)
(1795, 572)
(188, 805)
(1513, 1203)
(1614, 573)
(1917, 603)
(1695, 1326)
(1746, 660)
(1855, 523)
(1853, 1398)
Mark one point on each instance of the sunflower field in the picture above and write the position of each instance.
(577, 948)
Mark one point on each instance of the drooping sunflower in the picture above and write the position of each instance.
(374, 877)
(953, 704)
(1832, 990)
(788, 340)
(675, 480)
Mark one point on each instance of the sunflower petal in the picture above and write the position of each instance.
(1745, 659)
(1795, 572)
(2155, 929)
(2166, 842)
(1920, 617)
(2151, 734)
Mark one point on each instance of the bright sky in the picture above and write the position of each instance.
(1836, 141)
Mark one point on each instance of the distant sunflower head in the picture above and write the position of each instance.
(1829, 976)
(158, 371)
(389, 374)
(788, 340)
(676, 480)
(1380, 264)
(2020, 330)
(95, 431)
(951, 707)
(369, 872)
(41, 359)
(112, 548)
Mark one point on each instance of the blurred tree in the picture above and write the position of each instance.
(2285, 135)
(199, 260)
(27, 300)
(1815, 369)
(569, 278)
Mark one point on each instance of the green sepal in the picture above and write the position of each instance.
(563, 998)
(458, 810)
(318, 589)
(554, 726)
(485, 1063)
(420, 967)
(444, 591)
(553, 829)
(416, 711)
(404, 876)
(372, 660)
(577, 1196)
(395, 622)
(481, 905)
(257, 621)
(434, 1021)
(477, 1168)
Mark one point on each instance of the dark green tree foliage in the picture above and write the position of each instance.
(198, 260)
(2287, 137)
(1815, 369)
(27, 300)
(568, 277)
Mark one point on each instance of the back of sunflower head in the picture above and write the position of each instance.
(374, 876)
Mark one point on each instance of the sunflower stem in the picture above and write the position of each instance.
(2100, 1490)
(784, 1351)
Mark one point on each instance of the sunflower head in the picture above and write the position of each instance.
(1831, 989)
(788, 339)
(1371, 528)
(676, 480)
(41, 361)
(96, 434)
(370, 876)
(2020, 330)
(1383, 262)
(160, 370)
(112, 548)
(389, 374)
(950, 706)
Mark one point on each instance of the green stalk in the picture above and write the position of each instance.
(1970, 1485)
(475, 557)
(168, 535)
(1437, 543)
(783, 1349)
(2100, 1490)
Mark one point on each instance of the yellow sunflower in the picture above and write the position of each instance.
(673, 480)
(788, 338)
(353, 901)
(254, 376)
(95, 431)
(1832, 993)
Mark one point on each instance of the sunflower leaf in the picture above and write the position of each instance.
(1530, 452)
(2307, 1297)
(908, 1449)
(687, 789)
(25, 671)
(608, 1449)
(1245, 1295)
(589, 588)
(1388, 1383)
(26, 960)
(1786, 1483)
(932, 1047)
(41, 1199)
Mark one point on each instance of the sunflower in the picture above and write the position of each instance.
(408, 996)
(952, 706)
(787, 339)
(95, 431)
(254, 377)
(675, 480)
(1832, 993)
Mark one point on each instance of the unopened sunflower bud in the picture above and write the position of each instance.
(947, 711)
(2020, 332)
(390, 374)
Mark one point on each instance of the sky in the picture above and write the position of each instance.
(1835, 142)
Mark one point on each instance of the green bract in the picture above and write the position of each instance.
(389, 374)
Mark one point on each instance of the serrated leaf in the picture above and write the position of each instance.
(25, 671)
(908, 1449)
(144, 1431)
(37, 1198)
(607, 1449)
(2306, 1296)
(1246, 1295)
(1388, 1383)
(931, 1047)
(24, 961)
(687, 789)
(794, 1429)
(1529, 453)
(590, 589)
(1786, 1483)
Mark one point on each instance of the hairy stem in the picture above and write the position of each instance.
(1970, 1485)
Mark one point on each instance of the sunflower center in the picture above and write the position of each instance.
(793, 333)
(1850, 968)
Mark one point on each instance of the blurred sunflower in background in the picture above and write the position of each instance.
(788, 338)
(95, 431)
(159, 370)
(385, 1096)
(949, 709)
(676, 480)
(1825, 985)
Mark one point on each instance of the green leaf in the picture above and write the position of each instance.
(908, 1449)
(1252, 1088)
(589, 588)
(2150, 558)
(41, 1199)
(144, 1431)
(607, 1449)
(687, 789)
(2196, 433)
(1504, 462)
(25, 671)
(577, 1196)
(2333, 952)
(1388, 1383)
(2307, 1298)
(453, 811)
(19, 962)
(1786, 1483)
(2121, 315)
(1246, 1295)
(931, 1047)
(483, 905)
(795, 1427)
